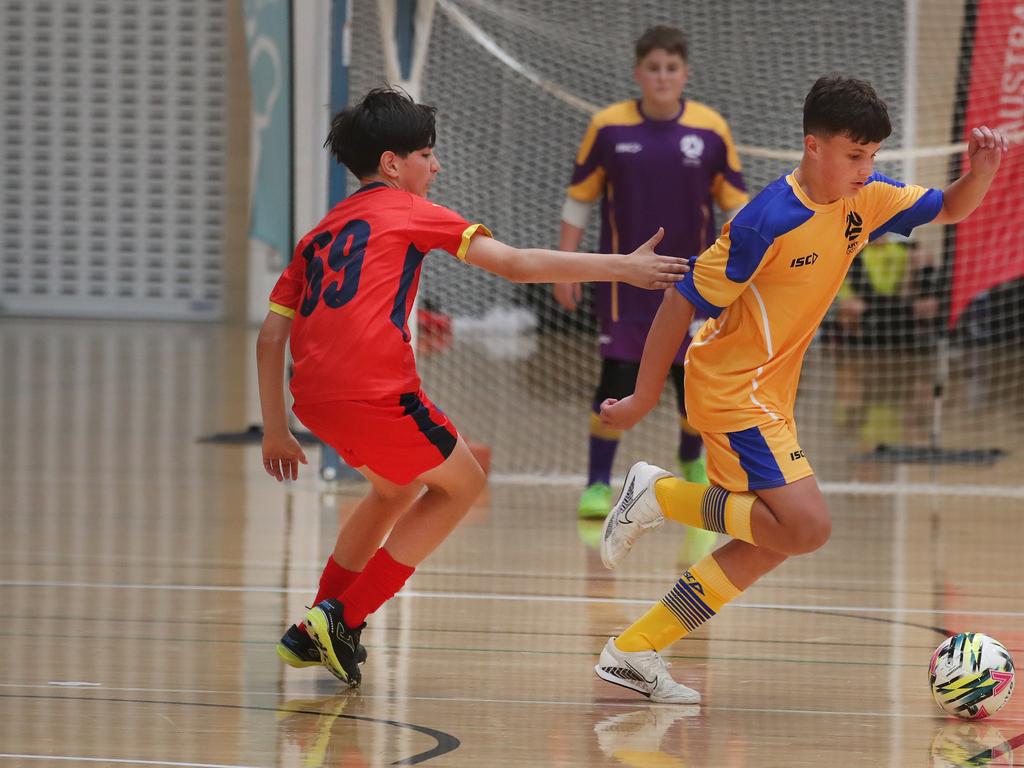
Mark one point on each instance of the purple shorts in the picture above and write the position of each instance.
(625, 341)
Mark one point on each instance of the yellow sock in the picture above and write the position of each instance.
(696, 597)
(706, 506)
(598, 429)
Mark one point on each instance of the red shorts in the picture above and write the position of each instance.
(398, 437)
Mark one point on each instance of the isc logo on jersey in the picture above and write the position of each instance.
(628, 147)
(692, 147)
(804, 261)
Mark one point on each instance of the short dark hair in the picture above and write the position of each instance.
(386, 119)
(669, 39)
(845, 105)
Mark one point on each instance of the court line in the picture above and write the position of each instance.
(123, 761)
(571, 599)
(847, 488)
(390, 697)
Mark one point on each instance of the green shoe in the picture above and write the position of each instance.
(694, 471)
(589, 530)
(595, 501)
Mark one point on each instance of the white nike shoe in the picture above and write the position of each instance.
(636, 511)
(644, 672)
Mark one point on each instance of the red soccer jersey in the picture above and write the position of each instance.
(349, 289)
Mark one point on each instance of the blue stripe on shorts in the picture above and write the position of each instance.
(756, 459)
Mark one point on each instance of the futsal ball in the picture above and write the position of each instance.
(971, 675)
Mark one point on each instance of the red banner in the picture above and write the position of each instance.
(990, 242)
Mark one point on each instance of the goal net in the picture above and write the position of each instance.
(924, 386)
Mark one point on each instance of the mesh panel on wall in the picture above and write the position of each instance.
(113, 158)
(514, 83)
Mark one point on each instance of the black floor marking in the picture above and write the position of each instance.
(445, 741)
(861, 617)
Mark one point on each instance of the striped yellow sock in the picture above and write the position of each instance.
(696, 597)
(706, 506)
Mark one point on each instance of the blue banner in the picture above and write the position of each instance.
(267, 34)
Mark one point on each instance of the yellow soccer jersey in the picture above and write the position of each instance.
(766, 284)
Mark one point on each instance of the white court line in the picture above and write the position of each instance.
(123, 761)
(848, 488)
(570, 599)
(390, 697)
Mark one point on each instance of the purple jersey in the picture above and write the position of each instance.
(650, 174)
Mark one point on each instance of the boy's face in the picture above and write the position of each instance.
(844, 164)
(415, 172)
(661, 76)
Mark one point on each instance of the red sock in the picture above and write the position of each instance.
(378, 583)
(333, 582)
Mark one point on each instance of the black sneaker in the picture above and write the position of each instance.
(297, 649)
(338, 643)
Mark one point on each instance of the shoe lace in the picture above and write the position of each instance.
(658, 664)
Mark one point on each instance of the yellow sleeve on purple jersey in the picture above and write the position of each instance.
(590, 172)
(727, 186)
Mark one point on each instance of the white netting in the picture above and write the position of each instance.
(514, 82)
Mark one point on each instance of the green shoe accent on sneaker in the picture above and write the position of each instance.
(595, 501)
(694, 471)
(297, 649)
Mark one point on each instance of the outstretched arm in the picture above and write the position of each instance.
(663, 341)
(984, 151)
(569, 295)
(281, 451)
(643, 267)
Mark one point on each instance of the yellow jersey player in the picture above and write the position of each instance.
(765, 284)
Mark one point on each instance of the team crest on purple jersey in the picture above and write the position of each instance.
(692, 147)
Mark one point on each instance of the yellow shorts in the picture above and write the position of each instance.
(766, 456)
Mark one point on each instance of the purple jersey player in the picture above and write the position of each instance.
(660, 160)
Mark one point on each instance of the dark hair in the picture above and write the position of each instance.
(386, 119)
(661, 37)
(845, 105)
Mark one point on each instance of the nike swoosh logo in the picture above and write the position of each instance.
(624, 515)
(652, 681)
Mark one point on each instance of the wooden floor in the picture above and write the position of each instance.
(146, 578)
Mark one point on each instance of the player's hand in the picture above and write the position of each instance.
(647, 269)
(622, 414)
(985, 150)
(281, 455)
(568, 295)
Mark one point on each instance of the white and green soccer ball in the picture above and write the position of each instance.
(971, 675)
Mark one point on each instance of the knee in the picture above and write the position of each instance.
(464, 487)
(811, 531)
(398, 494)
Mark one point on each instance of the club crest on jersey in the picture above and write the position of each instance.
(692, 146)
(854, 226)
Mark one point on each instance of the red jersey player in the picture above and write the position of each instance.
(343, 304)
